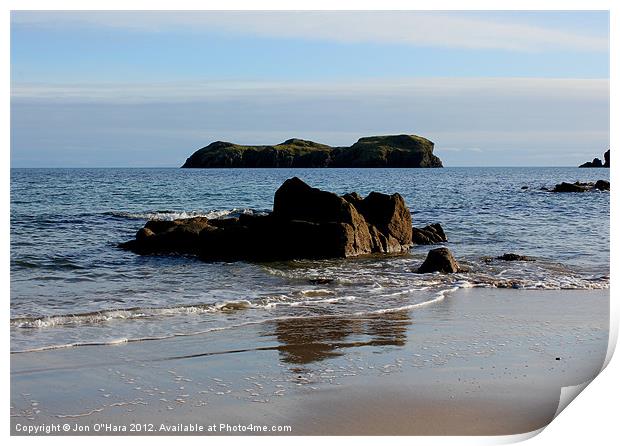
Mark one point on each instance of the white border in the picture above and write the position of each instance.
(592, 418)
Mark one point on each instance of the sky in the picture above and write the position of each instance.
(147, 88)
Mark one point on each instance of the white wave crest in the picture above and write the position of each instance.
(439, 296)
(127, 314)
(174, 215)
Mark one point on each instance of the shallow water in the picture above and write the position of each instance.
(71, 285)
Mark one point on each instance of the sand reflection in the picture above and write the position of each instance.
(312, 339)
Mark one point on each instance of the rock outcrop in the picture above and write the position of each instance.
(439, 260)
(429, 235)
(305, 223)
(596, 162)
(569, 187)
(602, 185)
(373, 151)
(581, 187)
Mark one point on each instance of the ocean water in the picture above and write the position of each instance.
(72, 286)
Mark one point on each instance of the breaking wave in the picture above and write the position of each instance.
(174, 215)
(98, 317)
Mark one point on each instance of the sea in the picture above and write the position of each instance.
(72, 286)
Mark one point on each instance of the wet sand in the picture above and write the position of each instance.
(480, 362)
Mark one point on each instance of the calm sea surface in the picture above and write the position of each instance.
(71, 285)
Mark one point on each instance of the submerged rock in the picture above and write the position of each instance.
(305, 223)
(429, 235)
(507, 284)
(320, 281)
(581, 187)
(511, 257)
(439, 260)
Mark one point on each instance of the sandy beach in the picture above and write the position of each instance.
(480, 362)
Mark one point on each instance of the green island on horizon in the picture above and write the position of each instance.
(372, 151)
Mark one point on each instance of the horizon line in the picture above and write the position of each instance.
(284, 168)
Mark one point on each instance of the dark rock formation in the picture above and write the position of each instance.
(596, 162)
(601, 185)
(581, 187)
(305, 223)
(352, 197)
(373, 151)
(429, 235)
(178, 236)
(388, 220)
(569, 187)
(511, 257)
(439, 260)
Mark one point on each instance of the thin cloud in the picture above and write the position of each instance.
(417, 28)
(449, 89)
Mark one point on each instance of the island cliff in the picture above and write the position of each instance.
(372, 151)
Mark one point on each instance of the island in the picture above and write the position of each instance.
(372, 151)
(596, 162)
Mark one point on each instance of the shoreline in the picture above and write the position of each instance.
(479, 362)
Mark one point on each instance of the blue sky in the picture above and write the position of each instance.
(148, 88)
